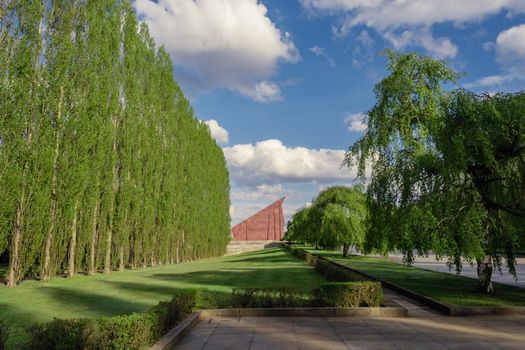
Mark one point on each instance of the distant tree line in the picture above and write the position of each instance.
(103, 164)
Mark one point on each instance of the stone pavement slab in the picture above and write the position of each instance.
(428, 332)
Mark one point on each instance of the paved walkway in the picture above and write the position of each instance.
(418, 332)
(431, 263)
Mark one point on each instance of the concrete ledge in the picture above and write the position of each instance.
(444, 308)
(170, 339)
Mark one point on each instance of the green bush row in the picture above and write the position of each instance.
(332, 294)
(349, 294)
(134, 331)
(326, 268)
(270, 298)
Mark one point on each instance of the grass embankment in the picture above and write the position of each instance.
(130, 291)
(450, 289)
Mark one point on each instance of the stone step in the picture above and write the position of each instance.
(237, 247)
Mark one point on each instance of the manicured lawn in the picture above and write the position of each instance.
(129, 291)
(447, 288)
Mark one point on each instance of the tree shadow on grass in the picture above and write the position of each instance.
(269, 256)
(90, 303)
(17, 320)
(161, 292)
(293, 277)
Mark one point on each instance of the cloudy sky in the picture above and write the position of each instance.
(284, 85)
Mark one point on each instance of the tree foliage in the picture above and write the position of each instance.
(447, 168)
(102, 161)
(334, 219)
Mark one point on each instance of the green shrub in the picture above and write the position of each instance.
(73, 334)
(334, 273)
(269, 298)
(135, 331)
(169, 314)
(349, 294)
(4, 335)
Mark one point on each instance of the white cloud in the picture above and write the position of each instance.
(438, 47)
(264, 91)
(510, 53)
(320, 52)
(510, 48)
(365, 39)
(217, 132)
(272, 162)
(491, 80)
(356, 122)
(261, 191)
(221, 43)
(408, 22)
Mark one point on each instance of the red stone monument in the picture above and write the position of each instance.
(265, 225)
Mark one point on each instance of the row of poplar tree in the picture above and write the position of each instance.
(103, 164)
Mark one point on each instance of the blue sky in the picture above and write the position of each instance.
(285, 84)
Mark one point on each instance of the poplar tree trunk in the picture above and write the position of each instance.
(14, 254)
(13, 270)
(485, 275)
(114, 187)
(46, 273)
(121, 264)
(73, 244)
(107, 260)
(94, 237)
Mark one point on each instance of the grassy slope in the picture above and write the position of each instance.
(129, 291)
(451, 289)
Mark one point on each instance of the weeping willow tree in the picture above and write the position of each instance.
(334, 219)
(103, 164)
(447, 168)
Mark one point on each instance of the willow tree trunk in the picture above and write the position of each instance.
(346, 248)
(73, 243)
(46, 269)
(485, 275)
(94, 238)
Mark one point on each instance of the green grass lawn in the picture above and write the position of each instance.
(447, 288)
(129, 291)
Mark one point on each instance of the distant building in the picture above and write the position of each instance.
(265, 225)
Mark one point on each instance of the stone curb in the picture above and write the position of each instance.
(309, 312)
(434, 304)
(170, 339)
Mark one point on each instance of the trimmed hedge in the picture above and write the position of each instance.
(134, 332)
(349, 294)
(333, 294)
(269, 298)
(326, 268)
